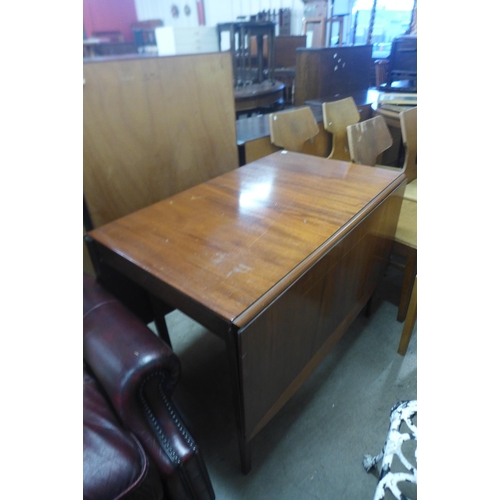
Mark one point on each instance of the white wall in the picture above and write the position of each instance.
(220, 11)
(160, 9)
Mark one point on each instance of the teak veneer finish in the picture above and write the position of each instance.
(277, 257)
(153, 127)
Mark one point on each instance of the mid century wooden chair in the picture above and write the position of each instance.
(368, 140)
(337, 116)
(408, 121)
(292, 128)
(409, 323)
(405, 245)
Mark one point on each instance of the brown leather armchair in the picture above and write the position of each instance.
(135, 443)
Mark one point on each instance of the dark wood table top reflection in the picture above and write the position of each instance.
(227, 243)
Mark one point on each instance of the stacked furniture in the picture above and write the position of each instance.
(255, 88)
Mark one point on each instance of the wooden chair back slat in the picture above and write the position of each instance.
(337, 116)
(408, 120)
(291, 129)
(368, 140)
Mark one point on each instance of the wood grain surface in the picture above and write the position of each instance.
(153, 127)
(282, 346)
(238, 238)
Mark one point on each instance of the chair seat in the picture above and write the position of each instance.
(406, 232)
(411, 191)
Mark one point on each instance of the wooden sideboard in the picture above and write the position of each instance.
(332, 70)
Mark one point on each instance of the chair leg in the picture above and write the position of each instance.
(411, 317)
(408, 279)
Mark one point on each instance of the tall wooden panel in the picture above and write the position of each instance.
(327, 71)
(153, 127)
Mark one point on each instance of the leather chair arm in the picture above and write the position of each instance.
(121, 350)
(138, 372)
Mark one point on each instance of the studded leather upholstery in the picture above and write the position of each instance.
(135, 443)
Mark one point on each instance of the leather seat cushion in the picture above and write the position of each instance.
(114, 462)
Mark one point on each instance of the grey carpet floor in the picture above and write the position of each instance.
(313, 448)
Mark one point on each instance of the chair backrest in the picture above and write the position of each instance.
(337, 116)
(408, 120)
(368, 139)
(290, 129)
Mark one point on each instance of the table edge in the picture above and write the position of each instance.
(279, 288)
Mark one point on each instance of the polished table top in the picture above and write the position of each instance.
(234, 243)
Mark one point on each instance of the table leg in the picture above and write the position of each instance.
(368, 307)
(160, 321)
(235, 374)
(245, 456)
